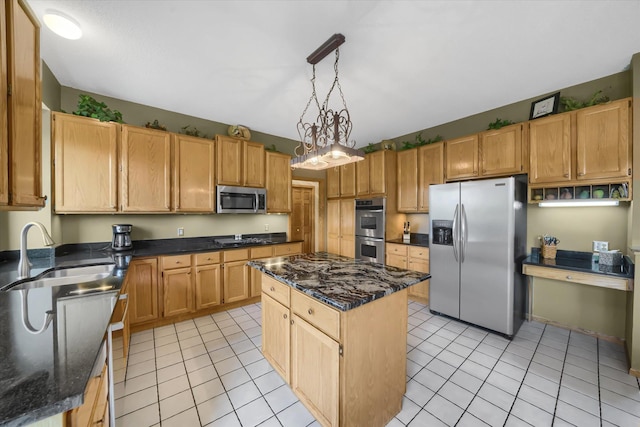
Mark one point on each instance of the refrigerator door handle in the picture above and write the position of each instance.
(455, 233)
(463, 229)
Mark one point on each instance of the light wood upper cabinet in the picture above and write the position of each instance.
(603, 141)
(501, 151)
(362, 176)
(341, 181)
(462, 158)
(278, 182)
(375, 175)
(333, 226)
(550, 149)
(142, 278)
(239, 162)
(145, 166)
(193, 174)
(20, 108)
(417, 169)
(85, 164)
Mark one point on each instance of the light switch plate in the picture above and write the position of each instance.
(600, 246)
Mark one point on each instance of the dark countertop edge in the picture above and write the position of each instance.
(44, 412)
(320, 297)
(535, 260)
(416, 239)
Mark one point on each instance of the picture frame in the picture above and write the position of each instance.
(545, 106)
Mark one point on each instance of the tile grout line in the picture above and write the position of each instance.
(598, 374)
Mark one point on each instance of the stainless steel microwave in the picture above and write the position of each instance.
(241, 200)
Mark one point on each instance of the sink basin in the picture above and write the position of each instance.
(67, 276)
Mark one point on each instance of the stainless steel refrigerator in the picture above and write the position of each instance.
(477, 241)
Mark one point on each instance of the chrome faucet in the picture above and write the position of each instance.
(24, 264)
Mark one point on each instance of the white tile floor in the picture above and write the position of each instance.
(210, 372)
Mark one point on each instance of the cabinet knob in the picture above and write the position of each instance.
(297, 229)
(177, 262)
(566, 175)
(580, 173)
(569, 277)
(284, 315)
(291, 321)
(272, 289)
(310, 311)
(208, 259)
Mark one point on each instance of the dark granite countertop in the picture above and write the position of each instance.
(341, 282)
(416, 239)
(580, 261)
(46, 374)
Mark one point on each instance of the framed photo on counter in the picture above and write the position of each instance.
(545, 106)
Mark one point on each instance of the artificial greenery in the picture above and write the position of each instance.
(369, 148)
(89, 107)
(155, 125)
(420, 141)
(271, 147)
(498, 123)
(187, 130)
(571, 104)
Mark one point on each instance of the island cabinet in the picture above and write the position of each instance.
(410, 258)
(239, 162)
(462, 158)
(341, 227)
(142, 278)
(145, 167)
(20, 108)
(417, 169)
(85, 164)
(193, 174)
(341, 181)
(501, 151)
(278, 182)
(347, 367)
(375, 175)
(94, 412)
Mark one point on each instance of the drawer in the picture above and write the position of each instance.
(318, 314)
(394, 249)
(177, 261)
(418, 252)
(235, 255)
(287, 249)
(276, 290)
(261, 252)
(600, 280)
(207, 258)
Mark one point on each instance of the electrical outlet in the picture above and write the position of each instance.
(180, 231)
(266, 227)
(599, 246)
(238, 236)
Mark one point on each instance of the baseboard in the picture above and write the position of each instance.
(594, 334)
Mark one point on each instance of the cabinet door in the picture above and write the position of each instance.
(253, 172)
(394, 260)
(25, 107)
(145, 170)
(208, 286)
(228, 160)
(178, 291)
(276, 335)
(501, 151)
(362, 176)
(333, 182)
(550, 149)
(377, 173)
(407, 165)
(347, 227)
(278, 182)
(603, 141)
(142, 276)
(4, 115)
(430, 171)
(315, 370)
(236, 281)
(421, 290)
(462, 157)
(193, 174)
(85, 164)
(333, 226)
(348, 180)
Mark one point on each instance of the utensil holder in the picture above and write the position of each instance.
(549, 251)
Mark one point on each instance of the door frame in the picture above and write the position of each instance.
(319, 206)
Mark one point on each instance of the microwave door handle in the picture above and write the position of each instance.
(455, 233)
(256, 202)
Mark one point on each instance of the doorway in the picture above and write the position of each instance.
(302, 214)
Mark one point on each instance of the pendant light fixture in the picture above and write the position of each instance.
(324, 142)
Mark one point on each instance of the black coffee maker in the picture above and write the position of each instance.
(121, 237)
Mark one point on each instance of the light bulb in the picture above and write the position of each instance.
(62, 25)
(314, 160)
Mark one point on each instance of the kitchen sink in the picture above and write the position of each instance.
(66, 276)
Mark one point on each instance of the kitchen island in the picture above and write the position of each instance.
(335, 329)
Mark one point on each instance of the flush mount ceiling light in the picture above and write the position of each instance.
(324, 142)
(63, 25)
(576, 203)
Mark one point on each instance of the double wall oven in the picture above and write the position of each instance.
(370, 229)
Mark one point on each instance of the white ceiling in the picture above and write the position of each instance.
(405, 65)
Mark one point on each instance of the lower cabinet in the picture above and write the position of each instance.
(94, 411)
(142, 278)
(410, 258)
(347, 367)
(208, 276)
(177, 285)
(236, 275)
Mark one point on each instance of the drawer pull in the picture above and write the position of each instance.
(310, 311)
(177, 262)
(272, 289)
(208, 259)
(569, 277)
(284, 315)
